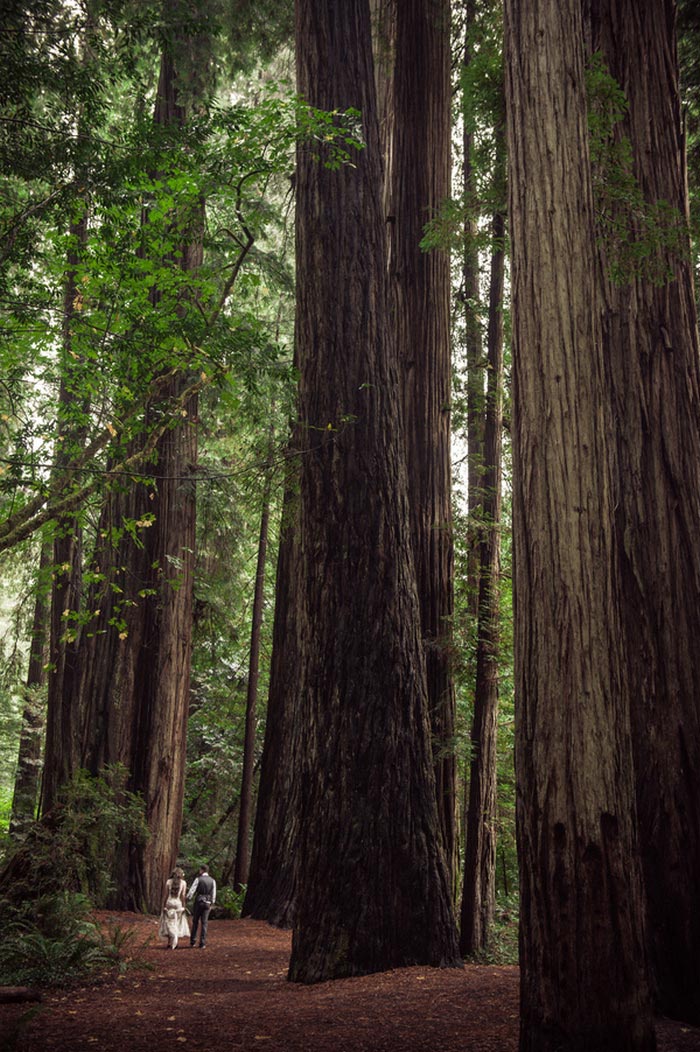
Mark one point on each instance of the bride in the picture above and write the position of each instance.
(173, 920)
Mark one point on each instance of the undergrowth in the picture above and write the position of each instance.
(54, 942)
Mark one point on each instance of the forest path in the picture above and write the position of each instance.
(234, 997)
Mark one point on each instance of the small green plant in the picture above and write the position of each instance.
(503, 941)
(639, 236)
(54, 942)
(229, 902)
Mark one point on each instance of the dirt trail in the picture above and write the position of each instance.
(234, 997)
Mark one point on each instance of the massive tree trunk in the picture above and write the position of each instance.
(274, 864)
(651, 350)
(374, 889)
(479, 894)
(420, 183)
(582, 958)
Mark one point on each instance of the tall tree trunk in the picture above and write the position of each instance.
(651, 349)
(62, 756)
(240, 873)
(274, 865)
(134, 678)
(479, 894)
(473, 340)
(374, 888)
(420, 183)
(26, 789)
(582, 957)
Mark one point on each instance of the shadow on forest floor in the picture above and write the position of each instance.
(234, 996)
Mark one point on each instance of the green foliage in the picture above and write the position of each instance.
(229, 902)
(462, 222)
(503, 944)
(689, 61)
(53, 941)
(256, 29)
(138, 188)
(641, 238)
(72, 847)
(239, 452)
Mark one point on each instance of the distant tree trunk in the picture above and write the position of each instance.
(274, 865)
(26, 790)
(651, 349)
(374, 890)
(62, 756)
(582, 956)
(473, 339)
(479, 894)
(241, 868)
(420, 183)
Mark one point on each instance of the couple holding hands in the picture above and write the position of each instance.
(173, 918)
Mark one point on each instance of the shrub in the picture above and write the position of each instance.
(54, 942)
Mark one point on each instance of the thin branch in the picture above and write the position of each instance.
(55, 502)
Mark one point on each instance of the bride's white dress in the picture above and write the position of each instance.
(173, 919)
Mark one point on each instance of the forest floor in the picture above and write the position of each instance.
(234, 997)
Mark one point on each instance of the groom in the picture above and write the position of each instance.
(204, 888)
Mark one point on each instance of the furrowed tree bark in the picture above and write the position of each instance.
(374, 890)
(479, 892)
(582, 956)
(420, 183)
(651, 349)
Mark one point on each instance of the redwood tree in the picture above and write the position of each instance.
(26, 788)
(129, 694)
(242, 864)
(582, 954)
(419, 178)
(274, 864)
(374, 888)
(63, 715)
(653, 369)
(479, 892)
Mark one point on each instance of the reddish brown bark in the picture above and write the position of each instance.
(420, 183)
(274, 866)
(582, 954)
(653, 360)
(374, 889)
